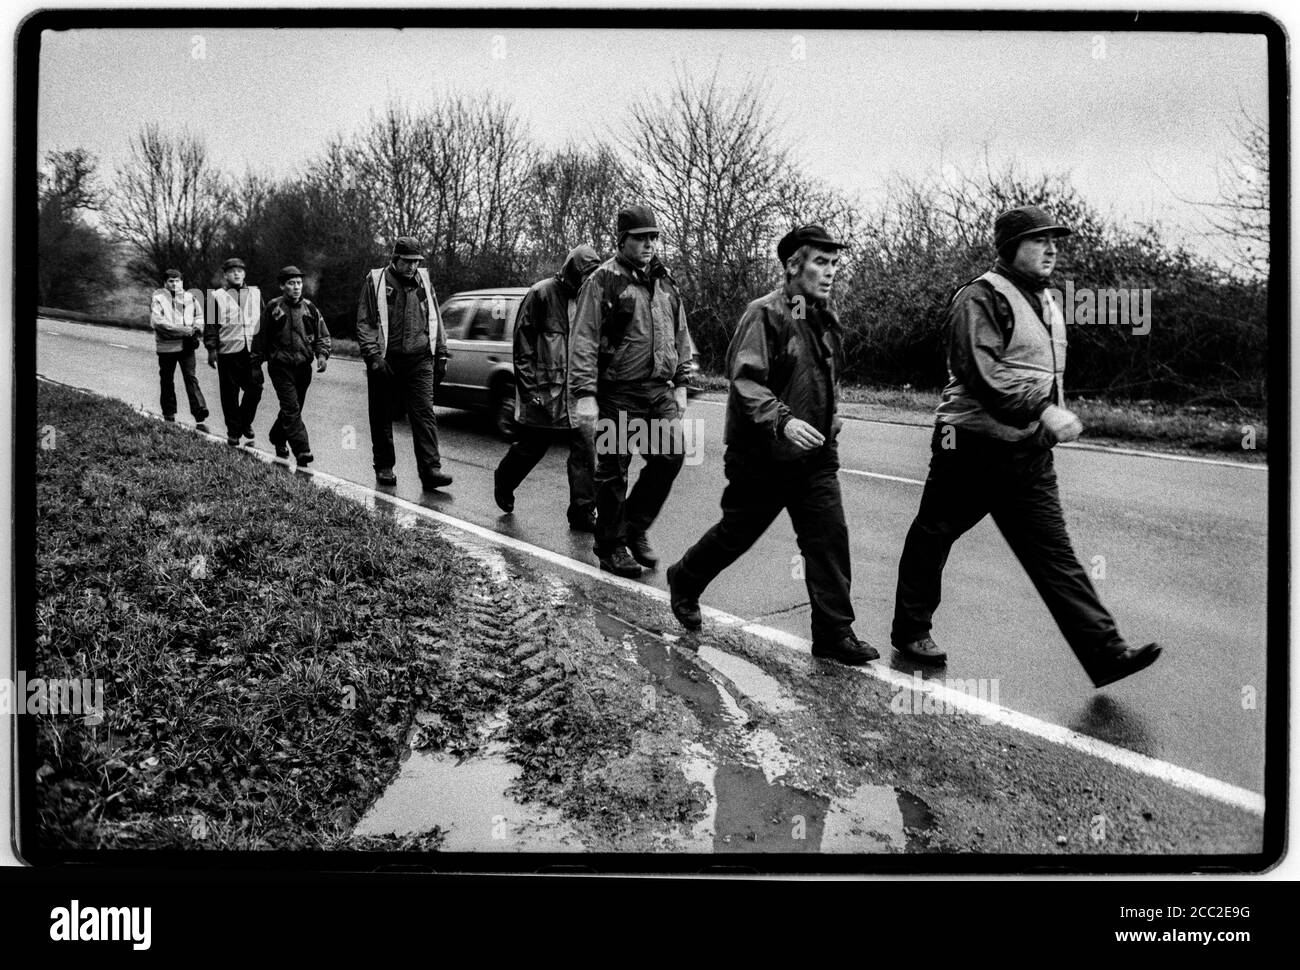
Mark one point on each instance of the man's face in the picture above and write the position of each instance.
(292, 288)
(818, 273)
(1036, 255)
(174, 286)
(235, 276)
(639, 247)
(405, 267)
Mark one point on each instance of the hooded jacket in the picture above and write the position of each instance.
(541, 352)
(783, 363)
(629, 327)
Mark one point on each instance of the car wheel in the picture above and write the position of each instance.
(503, 410)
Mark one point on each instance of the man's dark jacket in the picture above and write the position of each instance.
(782, 363)
(541, 351)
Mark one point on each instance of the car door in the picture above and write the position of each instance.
(457, 387)
(480, 348)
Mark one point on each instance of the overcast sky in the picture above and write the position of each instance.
(1137, 128)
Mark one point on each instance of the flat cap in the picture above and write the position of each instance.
(289, 272)
(173, 274)
(809, 235)
(234, 262)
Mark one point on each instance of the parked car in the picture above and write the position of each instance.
(480, 328)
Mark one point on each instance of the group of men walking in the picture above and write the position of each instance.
(398, 330)
(606, 344)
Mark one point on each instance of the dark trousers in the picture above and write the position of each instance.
(529, 447)
(412, 383)
(167, 378)
(1016, 484)
(757, 490)
(625, 408)
(290, 382)
(241, 390)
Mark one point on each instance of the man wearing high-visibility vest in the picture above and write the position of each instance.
(403, 344)
(177, 319)
(234, 314)
(998, 419)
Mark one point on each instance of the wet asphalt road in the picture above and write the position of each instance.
(1183, 546)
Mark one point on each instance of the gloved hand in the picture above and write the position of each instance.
(680, 394)
(320, 365)
(255, 378)
(439, 370)
(212, 359)
(379, 366)
(1060, 424)
(803, 434)
(586, 411)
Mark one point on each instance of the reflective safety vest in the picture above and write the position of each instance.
(381, 302)
(1033, 349)
(182, 312)
(238, 319)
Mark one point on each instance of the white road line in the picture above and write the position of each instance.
(888, 478)
(987, 711)
(123, 346)
(1074, 446)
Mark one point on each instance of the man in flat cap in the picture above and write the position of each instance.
(177, 319)
(404, 346)
(233, 316)
(291, 336)
(541, 358)
(781, 446)
(1000, 414)
(629, 358)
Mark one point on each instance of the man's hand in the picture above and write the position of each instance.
(212, 358)
(803, 434)
(439, 370)
(256, 376)
(320, 365)
(680, 394)
(1060, 424)
(379, 366)
(586, 411)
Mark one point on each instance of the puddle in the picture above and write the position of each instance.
(467, 801)
(749, 808)
(752, 681)
(891, 818)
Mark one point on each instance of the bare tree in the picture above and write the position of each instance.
(74, 261)
(709, 161)
(170, 205)
(574, 194)
(1241, 213)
